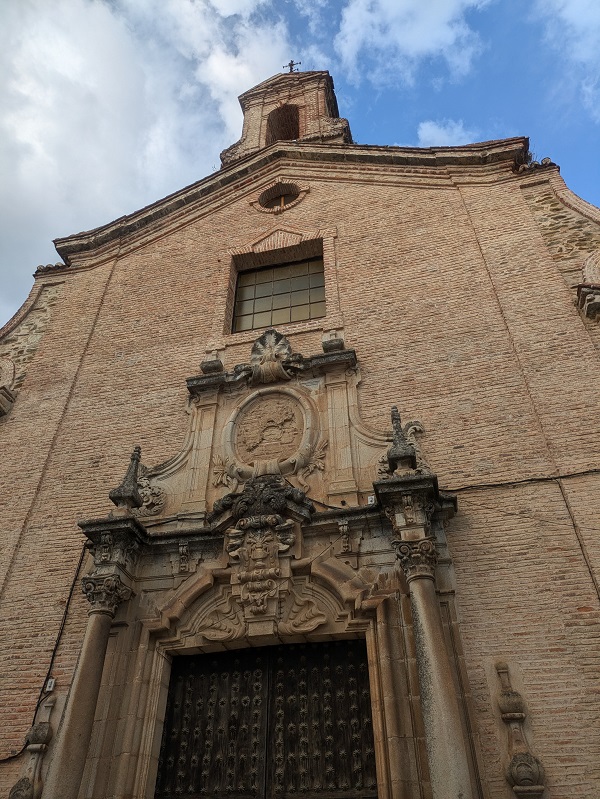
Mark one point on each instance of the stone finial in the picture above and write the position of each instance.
(525, 773)
(401, 455)
(126, 496)
(212, 364)
(333, 342)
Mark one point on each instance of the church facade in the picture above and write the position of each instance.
(300, 472)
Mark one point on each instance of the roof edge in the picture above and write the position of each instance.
(513, 150)
(282, 77)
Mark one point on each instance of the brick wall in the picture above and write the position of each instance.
(451, 289)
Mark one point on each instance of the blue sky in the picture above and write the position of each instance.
(108, 105)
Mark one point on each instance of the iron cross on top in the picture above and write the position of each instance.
(293, 64)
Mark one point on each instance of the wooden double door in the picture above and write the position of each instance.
(271, 722)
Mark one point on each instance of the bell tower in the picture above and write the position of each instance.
(295, 106)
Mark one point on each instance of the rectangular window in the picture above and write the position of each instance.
(276, 295)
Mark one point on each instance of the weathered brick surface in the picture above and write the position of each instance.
(450, 293)
(526, 597)
(569, 228)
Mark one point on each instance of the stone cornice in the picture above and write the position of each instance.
(272, 87)
(110, 535)
(313, 365)
(508, 151)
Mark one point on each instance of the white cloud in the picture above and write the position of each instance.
(444, 133)
(394, 36)
(315, 12)
(110, 104)
(573, 28)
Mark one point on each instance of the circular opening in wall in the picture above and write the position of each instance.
(279, 196)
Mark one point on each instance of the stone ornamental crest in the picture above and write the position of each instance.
(269, 429)
(263, 530)
(271, 359)
(275, 431)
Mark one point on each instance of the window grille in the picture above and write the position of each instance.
(279, 294)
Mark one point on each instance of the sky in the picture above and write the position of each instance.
(109, 105)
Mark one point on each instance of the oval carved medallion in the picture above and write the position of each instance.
(269, 429)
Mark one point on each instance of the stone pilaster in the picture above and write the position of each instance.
(411, 501)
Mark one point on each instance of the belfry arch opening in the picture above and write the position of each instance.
(283, 124)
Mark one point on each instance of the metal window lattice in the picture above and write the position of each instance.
(279, 294)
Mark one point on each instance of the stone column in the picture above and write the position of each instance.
(105, 593)
(114, 542)
(448, 759)
(410, 501)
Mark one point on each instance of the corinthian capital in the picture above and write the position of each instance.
(417, 558)
(105, 593)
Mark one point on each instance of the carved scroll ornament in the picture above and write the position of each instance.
(225, 623)
(300, 615)
(105, 594)
(304, 616)
(417, 558)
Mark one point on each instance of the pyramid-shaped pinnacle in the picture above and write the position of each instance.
(401, 454)
(126, 495)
